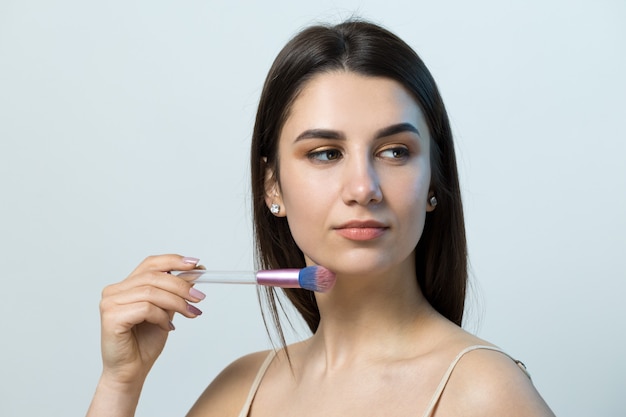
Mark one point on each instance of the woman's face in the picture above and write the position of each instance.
(354, 173)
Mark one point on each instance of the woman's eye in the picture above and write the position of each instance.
(399, 152)
(325, 155)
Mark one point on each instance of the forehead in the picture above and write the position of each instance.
(353, 103)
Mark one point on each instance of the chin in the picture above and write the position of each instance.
(366, 263)
(363, 269)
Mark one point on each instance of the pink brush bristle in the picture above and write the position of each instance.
(316, 278)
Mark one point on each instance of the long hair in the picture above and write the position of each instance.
(367, 49)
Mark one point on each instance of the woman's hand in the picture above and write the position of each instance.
(136, 318)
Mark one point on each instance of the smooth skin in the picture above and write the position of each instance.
(354, 186)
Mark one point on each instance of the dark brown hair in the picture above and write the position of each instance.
(367, 49)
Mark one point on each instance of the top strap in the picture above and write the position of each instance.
(245, 410)
(446, 376)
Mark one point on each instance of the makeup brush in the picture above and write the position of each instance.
(314, 278)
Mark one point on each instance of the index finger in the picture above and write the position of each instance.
(167, 263)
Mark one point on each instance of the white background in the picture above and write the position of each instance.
(124, 132)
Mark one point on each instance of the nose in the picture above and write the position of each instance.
(361, 182)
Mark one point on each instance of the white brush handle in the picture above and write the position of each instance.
(219, 277)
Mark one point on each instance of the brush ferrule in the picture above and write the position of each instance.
(284, 278)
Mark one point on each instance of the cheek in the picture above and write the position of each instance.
(304, 220)
(309, 199)
(304, 200)
(409, 188)
(410, 205)
(304, 190)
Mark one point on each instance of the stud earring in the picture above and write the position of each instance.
(275, 208)
(433, 201)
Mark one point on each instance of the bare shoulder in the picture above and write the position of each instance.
(490, 383)
(228, 392)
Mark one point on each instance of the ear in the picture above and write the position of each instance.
(272, 191)
(431, 201)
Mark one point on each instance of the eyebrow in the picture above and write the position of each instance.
(337, 135)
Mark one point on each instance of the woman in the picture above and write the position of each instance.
(353, 168)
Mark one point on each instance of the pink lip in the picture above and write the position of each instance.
(361, 230)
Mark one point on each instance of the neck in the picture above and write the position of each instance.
(363, 318)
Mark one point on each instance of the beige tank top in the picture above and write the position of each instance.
(431, 405)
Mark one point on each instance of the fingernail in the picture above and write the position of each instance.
(196, 293)
(193, 310)
(191, 261)
(172, 327)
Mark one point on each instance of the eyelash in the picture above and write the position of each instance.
(402, 150)
(315, 155)
(400, 153)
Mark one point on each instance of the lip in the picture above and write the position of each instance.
(361, 229)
